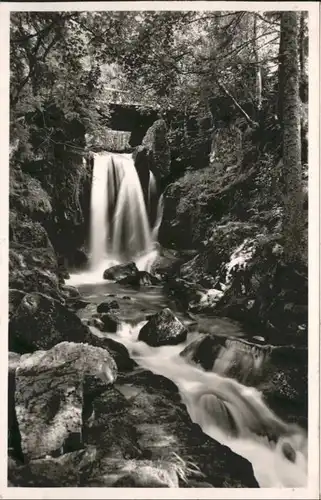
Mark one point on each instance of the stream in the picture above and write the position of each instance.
(203, 392)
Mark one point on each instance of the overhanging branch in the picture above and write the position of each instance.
(249, 120)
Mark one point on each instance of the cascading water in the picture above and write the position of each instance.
(125, 227)
(229, 412)
(241, 360)
(120, 229)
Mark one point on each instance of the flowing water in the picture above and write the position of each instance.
(226, 410)
(120, 229)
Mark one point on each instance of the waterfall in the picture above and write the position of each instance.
(159, 217)
(132, 233)
(121, 226)
(151, 188)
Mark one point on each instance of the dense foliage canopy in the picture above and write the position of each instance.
(203, 71)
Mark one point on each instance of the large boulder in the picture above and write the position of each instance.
(51, 391)
(110, 322)
(163, 329)
(121, 271)
(40, 322)
(107, 306)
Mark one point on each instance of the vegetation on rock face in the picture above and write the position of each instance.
(224, 98)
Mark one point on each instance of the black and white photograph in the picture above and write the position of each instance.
(158, 249)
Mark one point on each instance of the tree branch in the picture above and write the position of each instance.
(249, 120)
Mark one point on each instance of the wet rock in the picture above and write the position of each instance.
(73, 298)
(289, 452)
(50, 391)
(28, 233)
(203, 351)
(167, 262)
(110, 322)
(109, 305)
(147, 279)
(121, 271)
(133, 473)
(142, 278)
(40, 322)
(126, 297)
(28, 197)
(163, 329)
(33, 262)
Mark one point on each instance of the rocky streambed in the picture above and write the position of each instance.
(104, 385)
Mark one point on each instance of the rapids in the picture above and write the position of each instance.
(208, 395)
(123, 229)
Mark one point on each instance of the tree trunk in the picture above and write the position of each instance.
(258, 73)
(303, 57)
(293, 199)
(280, 78)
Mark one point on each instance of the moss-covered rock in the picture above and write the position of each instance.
(28, 196)
(154, 152)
